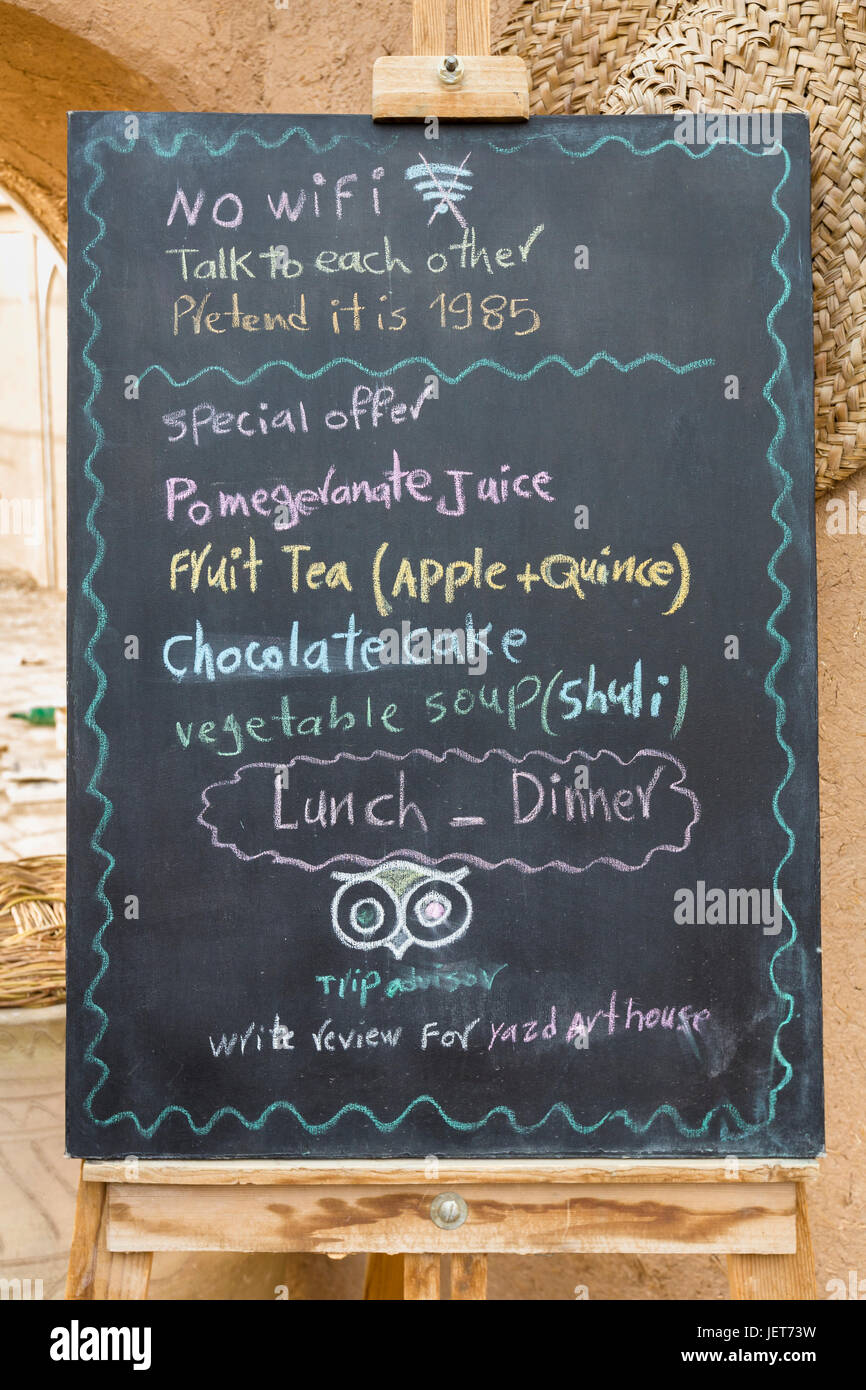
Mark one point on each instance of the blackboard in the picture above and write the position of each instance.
(443, 771)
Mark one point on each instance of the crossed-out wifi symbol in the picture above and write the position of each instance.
(444, 185)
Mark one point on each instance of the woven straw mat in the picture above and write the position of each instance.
(601, 56)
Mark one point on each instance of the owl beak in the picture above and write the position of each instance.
(400, 942)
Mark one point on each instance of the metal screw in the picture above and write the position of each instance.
(448, 1211)
(451, 69)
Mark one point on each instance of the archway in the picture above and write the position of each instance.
(32, 399)
(46, 71)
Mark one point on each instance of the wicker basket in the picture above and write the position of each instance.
(33, 932)
(600, 56)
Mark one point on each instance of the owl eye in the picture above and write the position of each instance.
(366, 916)
(433, 910)
(365, 913)
(437, 910)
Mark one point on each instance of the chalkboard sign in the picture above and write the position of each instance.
(442, 638)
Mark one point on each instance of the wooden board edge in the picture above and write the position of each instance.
(446, 1173)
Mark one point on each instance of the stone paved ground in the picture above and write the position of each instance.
(32, 672)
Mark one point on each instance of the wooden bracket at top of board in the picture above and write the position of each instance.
(465, 83)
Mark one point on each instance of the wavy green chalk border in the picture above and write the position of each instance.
(743, 1127)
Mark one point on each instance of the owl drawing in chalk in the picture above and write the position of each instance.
(400, 904)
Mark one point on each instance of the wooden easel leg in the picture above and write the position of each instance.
(421, 1277)
(473, 26)
(383, 1278)
(85, 1236)
(119, 1275)
(122, 1275)
(95, 1272)
(782, 1277)
(468, 1276)
(428, 26)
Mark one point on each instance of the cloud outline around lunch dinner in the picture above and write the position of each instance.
(468, 857)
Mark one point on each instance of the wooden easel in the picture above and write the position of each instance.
(752, 1210)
